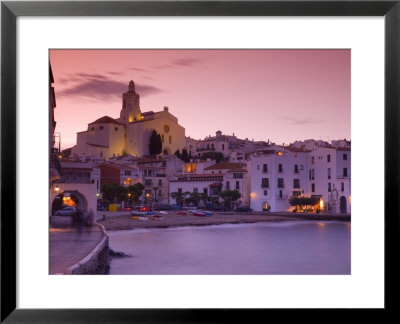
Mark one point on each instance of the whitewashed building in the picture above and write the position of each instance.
(277, 175)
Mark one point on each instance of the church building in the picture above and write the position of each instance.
(130, 133)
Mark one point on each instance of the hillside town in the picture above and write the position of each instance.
(220, 172)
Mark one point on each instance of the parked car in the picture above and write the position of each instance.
(244, 209)
(66, 211)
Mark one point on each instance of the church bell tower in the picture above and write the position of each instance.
(130, 111)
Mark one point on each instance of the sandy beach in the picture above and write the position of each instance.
(114, 221)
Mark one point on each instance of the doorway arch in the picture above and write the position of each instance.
(75, 196)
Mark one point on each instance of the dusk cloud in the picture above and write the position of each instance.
(101, 88)
(186, 61)
(301, 121)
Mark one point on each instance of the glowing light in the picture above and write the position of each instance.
(350, 199)
(98, 195)
(57, 189)
(280, 153)
(252, 195)
(321, 204)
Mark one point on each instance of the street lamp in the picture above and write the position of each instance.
(57, 189)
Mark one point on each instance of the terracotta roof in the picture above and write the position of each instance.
(117, 166)
(295, 149)
(224, 166)
(149, 160)
(106, 120)
(97, 145)
(238, 170)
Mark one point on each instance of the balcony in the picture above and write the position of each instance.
(284, 196)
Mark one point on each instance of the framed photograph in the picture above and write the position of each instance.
(294, 70)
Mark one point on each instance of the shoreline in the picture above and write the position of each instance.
(117, 221)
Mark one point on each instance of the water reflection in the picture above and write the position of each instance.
(261, 248)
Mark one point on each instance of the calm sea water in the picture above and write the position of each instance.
(291, 248)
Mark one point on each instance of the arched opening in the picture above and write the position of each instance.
(265, 206)
(343, 205)
(69, 198)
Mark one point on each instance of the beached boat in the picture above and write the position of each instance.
(198, 213)
(141, 218)
(139, 213)
(157, 217)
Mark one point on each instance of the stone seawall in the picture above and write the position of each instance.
(97, 261)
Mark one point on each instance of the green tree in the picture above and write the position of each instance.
(113, 192)
(155, 145)
(136, 191)
(230, 196)
(178, 154)
(179, 197)
(185, 155)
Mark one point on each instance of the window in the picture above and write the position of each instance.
(329, 173)
(205, 191)
(237, 185)
(342, 186)
(128, 181)
(312, 160)
(238, 176)
(280, 168)
(127, 173)
(328, 158)
(223, 147)
(265, 192)
(180, 190)
(160, 182)
(344, 156)
(296, 183)
(296, 193)
(280, 194)
(265, 168)
(265, 183)
(170, 139)
(265, 206)
(296, 168)
(227, 185)
(329, 187)
(311, 175)
(116, 128)
(159, 193)
(313, 187)
(195, 190)
(258, 167)
(344, 172)
(147, 182)
(281, 183)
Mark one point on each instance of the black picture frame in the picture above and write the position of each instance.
(10, 10)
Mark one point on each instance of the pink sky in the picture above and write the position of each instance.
(280, 95)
